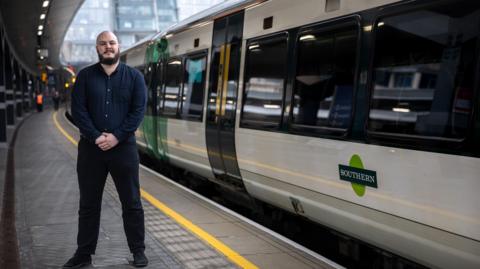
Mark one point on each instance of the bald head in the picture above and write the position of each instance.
(106, 35)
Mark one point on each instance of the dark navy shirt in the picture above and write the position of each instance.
(112, 104)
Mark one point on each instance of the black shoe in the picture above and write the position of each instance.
(78, 261)
(139, 259)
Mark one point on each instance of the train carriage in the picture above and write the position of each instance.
(360, 115)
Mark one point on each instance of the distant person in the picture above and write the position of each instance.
(56, 100)
(39, 101)
(108, 103)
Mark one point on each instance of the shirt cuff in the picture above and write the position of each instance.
(119, 135)
(93, 137)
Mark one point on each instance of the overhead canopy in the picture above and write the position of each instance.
(21, 19)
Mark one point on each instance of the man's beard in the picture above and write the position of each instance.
(109, 61)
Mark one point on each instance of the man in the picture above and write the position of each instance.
(108, 102)
(39, 101)
(56, 100)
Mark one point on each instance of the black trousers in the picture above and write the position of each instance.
(93, 165)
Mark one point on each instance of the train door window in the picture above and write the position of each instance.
(265, 73)
(151, 82)
(324, 79)
(194, 87)
(159, 86)
(147, 74)
(173, 78)
(423, 72)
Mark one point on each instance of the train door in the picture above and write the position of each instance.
(140, 132)
(222, 99)
(149, 123)
(161, 121)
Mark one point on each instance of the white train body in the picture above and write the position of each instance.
(425, 205)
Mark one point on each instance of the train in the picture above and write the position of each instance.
(360, 115)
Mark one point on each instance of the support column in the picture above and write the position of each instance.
(17, 85)
(36, 88)
(33, 85)
(9, 86)
(25, 91)
(3, 106)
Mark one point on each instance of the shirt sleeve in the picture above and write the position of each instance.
(136, 110)
(80, 114)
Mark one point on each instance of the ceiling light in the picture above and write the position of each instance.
(45, 3)
(42, 17)
(271, 106)
(367, 28)
(399, 109)
(307, 38)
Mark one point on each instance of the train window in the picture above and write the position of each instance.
(324, 80)
(151, 82)
(159, 89)
(265, 73)
(194, 87)
(423, 72)
(173, 80)
(147, 72)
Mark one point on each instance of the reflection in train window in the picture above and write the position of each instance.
(150, 82)
(158, 76)
(173, 80)
(264, 81)
(193, 88)
(323, 90)
(403, 80)
(424, 72)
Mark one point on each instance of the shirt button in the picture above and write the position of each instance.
(108, 90)
(106, 115)
(107, 102)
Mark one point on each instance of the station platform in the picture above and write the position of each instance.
(183, 229)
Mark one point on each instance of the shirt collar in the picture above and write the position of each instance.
(119, 66)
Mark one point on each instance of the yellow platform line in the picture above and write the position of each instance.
(69, 137)
(211, 240)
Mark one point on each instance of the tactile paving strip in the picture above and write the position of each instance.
(191, 251)
(162, 257)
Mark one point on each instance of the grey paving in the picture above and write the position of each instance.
(47, 205)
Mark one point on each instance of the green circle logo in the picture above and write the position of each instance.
(356, 162)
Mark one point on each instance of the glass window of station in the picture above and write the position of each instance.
(423, 72)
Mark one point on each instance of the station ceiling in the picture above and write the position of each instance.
(21, 19)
